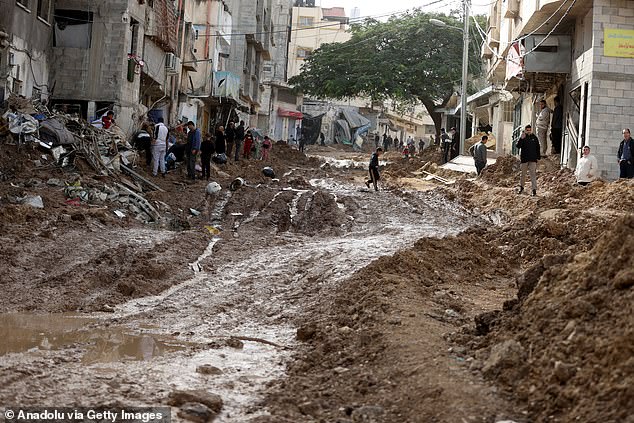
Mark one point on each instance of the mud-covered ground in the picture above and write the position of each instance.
(309, 298)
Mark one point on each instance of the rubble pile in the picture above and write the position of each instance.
(69, 143)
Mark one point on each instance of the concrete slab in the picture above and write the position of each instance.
(465, 164)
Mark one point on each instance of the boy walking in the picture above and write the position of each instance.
(374, 169)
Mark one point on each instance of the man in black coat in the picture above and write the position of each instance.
(529, 147)
(238, 139)
(626, 155)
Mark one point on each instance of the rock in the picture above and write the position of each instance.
(527, 282)
(345, 330)
(208, 369)
(564, 372)
(212, 188)
(33, 201)
(486, 321)
(54, 182)
(213, 401)
(368, 414)
(306, 333)
(196, 412)
(234, 343)
(509, 353)
(452, 313)
(309, 408)
(624, 279)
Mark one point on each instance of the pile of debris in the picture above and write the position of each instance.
(65, 140)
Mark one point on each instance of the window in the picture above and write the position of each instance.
(303, 53)
(305, 21)
(43, 9)
(507, 111)
(23, 3)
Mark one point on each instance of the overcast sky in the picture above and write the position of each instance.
(382, 7)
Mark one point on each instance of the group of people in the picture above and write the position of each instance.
(163, 149)
(408, 148)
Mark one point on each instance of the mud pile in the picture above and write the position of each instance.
(503, 172)
(566, 347)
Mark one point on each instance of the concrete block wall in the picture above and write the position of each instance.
(611, 102)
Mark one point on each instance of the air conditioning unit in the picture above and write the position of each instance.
(170, 62)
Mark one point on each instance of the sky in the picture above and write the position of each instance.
(385, 7)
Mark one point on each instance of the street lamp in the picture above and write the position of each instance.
(465, 66)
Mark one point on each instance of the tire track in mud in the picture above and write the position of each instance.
(252, 286)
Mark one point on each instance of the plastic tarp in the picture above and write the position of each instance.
(311, 128)
(55, 131)
(343, 134)
(355, 120)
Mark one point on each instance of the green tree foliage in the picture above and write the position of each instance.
(406, 59)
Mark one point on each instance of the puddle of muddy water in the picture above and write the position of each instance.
(49, 332)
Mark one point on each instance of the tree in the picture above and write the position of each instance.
(406, 59)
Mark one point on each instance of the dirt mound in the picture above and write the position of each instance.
(354, 345)
(503, 172)
(570, 354)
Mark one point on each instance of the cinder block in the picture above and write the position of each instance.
(607, 84)
(626, 102)
(615, 93)
(626, 11)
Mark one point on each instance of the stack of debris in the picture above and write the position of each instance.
(69, 138)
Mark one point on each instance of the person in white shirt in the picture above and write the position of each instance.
(587, 168)
(542, 124)
(159, 148)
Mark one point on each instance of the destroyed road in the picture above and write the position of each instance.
(235, 308)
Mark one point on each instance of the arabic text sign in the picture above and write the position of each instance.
(618, 43)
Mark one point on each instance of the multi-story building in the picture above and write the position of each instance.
(121, 55)
(579, 50)
(310, 28)
(26, 32)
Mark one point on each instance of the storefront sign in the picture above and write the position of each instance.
(618, 43)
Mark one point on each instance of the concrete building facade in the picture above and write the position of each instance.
(581, 51)
(24, 61)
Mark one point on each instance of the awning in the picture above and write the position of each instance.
(289, 113)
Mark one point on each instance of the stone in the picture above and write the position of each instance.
(345, 330)
(196, 412)
(564, 372)
(208, 369)
(452, 313)
(509, 353)
(234, 343)
(180, 397)
(306, 333)
(368, 414)
(309, 408)
(54, 182)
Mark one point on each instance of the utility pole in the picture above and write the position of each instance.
(465, 66)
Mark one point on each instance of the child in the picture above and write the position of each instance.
(248, 144)
(266, 147)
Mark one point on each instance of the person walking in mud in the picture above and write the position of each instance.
(374, 169)
(445, 141)
(193, 148)
(529, 147)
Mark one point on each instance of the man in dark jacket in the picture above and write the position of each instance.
(238, 139)
(230, 136)
(193, 148)
(626, 155)
(529, 147)
(374, 169)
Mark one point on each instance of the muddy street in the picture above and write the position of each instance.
(236, 308)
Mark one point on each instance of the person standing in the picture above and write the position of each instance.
(193, 147)
(322, 138)
(385, 142)
(267, 144)
(230, 136)
(374, 169)
(143, 141)
(238, 140)
(421, 146)
(159, 148)
(302, 142)
(207, 149)
(557, 126)
(221, 141)
(248, 144)
(445, 141)
(587, 168)
(529, 147)
(626, 155)
(455, 142)
(542, 123)
(479, 153)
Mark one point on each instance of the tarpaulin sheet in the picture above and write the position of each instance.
(55, 131)
(355, 120)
